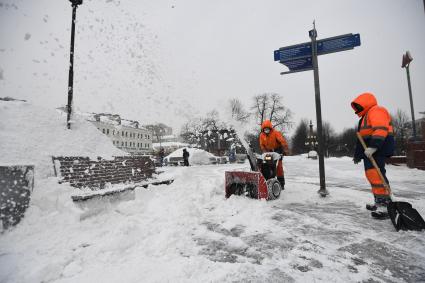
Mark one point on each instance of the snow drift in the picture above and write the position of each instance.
(196, 156)
(32, 134)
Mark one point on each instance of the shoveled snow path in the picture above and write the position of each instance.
(188, 232)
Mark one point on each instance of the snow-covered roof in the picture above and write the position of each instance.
(112, 119)
(169, 144)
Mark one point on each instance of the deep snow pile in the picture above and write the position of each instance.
(196, 156)
(188, 232)
(31, 135)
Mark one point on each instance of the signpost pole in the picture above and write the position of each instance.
(322, 191)
(303, 57)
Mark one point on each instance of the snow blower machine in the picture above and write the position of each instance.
(260, 183)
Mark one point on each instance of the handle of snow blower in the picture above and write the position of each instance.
(374, 164)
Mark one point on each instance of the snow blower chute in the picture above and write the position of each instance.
(260, 183)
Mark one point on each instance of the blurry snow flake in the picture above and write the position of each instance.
(27, 36)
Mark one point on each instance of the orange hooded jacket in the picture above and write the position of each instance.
(375, 123)
(272, 141)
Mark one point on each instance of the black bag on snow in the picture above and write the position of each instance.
(405, 217)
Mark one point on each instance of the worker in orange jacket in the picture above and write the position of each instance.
(376, 129)
(273, 140)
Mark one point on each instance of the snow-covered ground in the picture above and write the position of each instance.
(188, 232)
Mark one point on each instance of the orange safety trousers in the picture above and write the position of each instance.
(372, 175)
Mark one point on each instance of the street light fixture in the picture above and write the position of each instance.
(407, 58)
(74, 4)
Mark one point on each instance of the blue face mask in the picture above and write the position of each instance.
(266, 130)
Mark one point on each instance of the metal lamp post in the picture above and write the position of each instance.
(74, 4)
(407, 58)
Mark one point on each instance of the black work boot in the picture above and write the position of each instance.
(380, 207)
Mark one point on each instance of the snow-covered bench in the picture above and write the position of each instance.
(97, 177)
(16, 185)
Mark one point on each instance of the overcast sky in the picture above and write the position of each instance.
(165, 61)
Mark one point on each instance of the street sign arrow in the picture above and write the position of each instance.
(293, 52)
(324, 46)
(338, 43)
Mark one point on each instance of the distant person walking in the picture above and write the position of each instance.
(376, 129)
(185, 157)
(161, 156)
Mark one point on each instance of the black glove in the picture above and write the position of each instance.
(356, 160)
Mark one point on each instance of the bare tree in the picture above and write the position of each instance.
(237, 110)
(270, 106)
(401, 125)
(329, 138)
(191, 131)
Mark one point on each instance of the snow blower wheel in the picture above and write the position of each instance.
(274, 188)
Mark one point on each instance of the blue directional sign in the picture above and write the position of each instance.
(324, 46)
(337, 43)
(299, 64)
(293, 52)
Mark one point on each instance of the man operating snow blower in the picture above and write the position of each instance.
(271, 140)
(376, 131)
(265, 180)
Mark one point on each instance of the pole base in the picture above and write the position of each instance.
(323, 193)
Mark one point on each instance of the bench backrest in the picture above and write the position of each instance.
(83, 172)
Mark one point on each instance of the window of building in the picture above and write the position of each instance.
(107, 131)
(103, 130)
(126, 134)
(125, 143)
(122, 143)
(122, 133)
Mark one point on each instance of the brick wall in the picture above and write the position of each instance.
(423, 130)
(83, 172)
(416, 154)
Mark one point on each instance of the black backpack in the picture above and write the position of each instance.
(405, 217)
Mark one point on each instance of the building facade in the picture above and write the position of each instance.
(126, 135)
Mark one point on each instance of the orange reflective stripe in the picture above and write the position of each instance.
(380, 191)
(366, 132)
(380, 134)
(380, 128)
